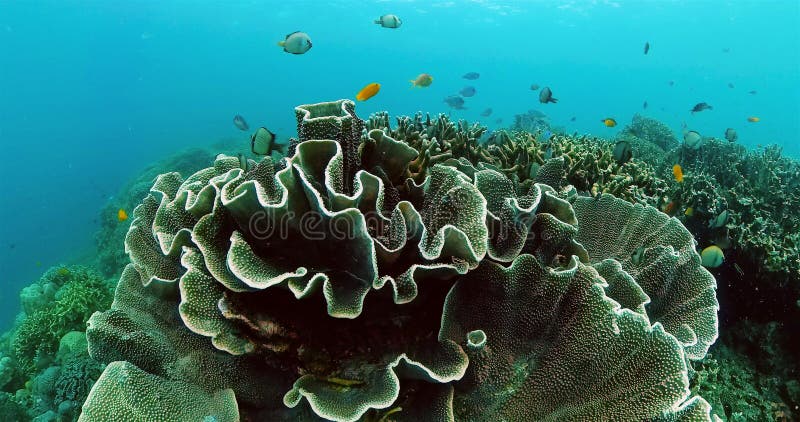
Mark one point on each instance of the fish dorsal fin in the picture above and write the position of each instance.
(295, 32)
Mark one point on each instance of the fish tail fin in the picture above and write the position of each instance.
(378, 21)
(553, 100)
(413, 83)
(281, 43)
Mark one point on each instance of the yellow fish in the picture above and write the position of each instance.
(368, 91)
(712, 257)
(609, 122)
(122, 215)
(689, 212)
(423, 80)
(677, 171)
(753, 119)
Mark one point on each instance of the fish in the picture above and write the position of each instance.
(422, 81)
(368, 91)
(712, 257)
(671, 208)
(730, 134)
(467, 91)
(240, 123)
(753, 119)
(622, 152)
(534, 87)
(296, 43)
(730, 85)
(546, 96)
(12, 245)
(637, 255)
(646, 47)
(753, 92)
(572, 119)
(262, 142)
(243, 162)
(726, 50)
(498, 120)
(63, 271)
(389, 21)
(677, 171)
(671, 83)
(720, 220)
(692, 139)
(487, 112)
(455, 101)
(700, 107)
(609, 122)
(122, 215)
(689, 211)
(471, 75)
(644, 106)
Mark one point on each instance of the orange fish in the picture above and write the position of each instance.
(422, 80)
(677, 171)
(122, 215)
(671, 208)
(609, 122)
(753, 119)
(368, 91)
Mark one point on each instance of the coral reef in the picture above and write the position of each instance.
(209, 308)
(746, 203)
(737, 391)
(531, 121)
(409, 273)
(45, 369)
(110, 257)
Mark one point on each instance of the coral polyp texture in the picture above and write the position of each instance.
(370, 276)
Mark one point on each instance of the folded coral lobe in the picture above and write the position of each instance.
(395, 274)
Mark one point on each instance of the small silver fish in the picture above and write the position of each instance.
(622, 152)
(240, 122)
(262, 142)
(646, 47)
(389, 21)
(243, 162)
(467, 91)
(471, 76)
(487, 112)
(296, 43)
(534, 87)
(692, 139)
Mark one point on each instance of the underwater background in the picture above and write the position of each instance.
(93, 93)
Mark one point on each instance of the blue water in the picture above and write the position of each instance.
(91, 92)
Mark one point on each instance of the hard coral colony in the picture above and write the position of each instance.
(441, 280)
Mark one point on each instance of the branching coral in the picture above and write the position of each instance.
(295, 292)
(80, 292)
